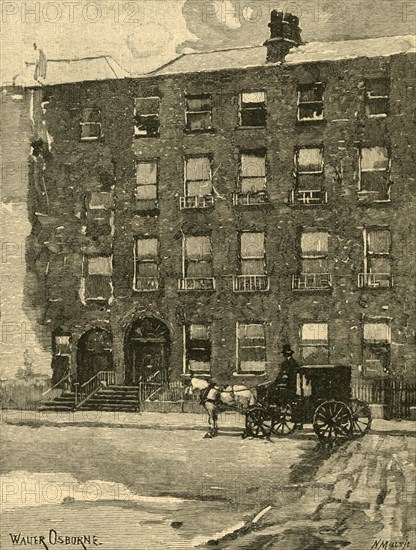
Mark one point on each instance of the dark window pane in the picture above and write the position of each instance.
(310, 181)
(312, 92)
(378, 106)
(90, 130)
(198, 121)
(253, 117)
(376, 183)
(147, 125)
(98, 287)
(311, 111)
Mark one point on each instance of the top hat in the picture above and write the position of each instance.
(287, 350)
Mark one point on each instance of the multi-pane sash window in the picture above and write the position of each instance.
(146, 117)
(314, 249)
(377, 259)
(146, 181)
(198, 177)
(90, 124)
(198, 112)
(377, 97)
(99, 213)
(314, 343)
(375, 172)
(146, 264)
(252, 253)
(311, 101)
(251, 348)
(252, 172)
(376, 348)
(197, 257)
(97, 276)
(253, 111)
(309, 168)
(197, 348)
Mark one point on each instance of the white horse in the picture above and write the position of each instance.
(215, 398)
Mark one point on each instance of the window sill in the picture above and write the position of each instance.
(305, 205)
(90, 139)
(365, 199)
(146, 205)
(146, 291)
(251, 127)
(326, 290)
(380, 116)
(189, 132)
(146, 137)
(308, 121)
(248, 374)
(202, 375)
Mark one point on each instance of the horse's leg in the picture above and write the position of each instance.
(215, 420)
(210, 408)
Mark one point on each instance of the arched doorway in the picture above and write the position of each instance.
(94, 354)
(147, 352)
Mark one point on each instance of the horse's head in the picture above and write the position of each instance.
(194, 385)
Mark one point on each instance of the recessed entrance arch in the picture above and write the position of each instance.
(146, 352)
(94, 354)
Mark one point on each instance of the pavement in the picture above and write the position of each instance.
(229, 421)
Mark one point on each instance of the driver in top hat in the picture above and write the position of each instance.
(287, 377)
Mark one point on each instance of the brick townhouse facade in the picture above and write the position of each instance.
(199, 217)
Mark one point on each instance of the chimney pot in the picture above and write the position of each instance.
(284, 35)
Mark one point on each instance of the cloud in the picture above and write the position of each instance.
(149, 40)
(228, 14)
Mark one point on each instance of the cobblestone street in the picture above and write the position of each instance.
(366, 496)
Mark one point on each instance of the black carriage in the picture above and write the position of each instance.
(322, 398)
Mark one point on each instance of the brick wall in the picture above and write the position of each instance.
(75, 168)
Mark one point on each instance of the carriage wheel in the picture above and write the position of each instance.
(283, 423)
(258, 423)
(361, 417)
(332, 422)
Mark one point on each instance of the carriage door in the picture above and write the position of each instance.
(146, 353)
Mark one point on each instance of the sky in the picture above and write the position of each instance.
(143, 34)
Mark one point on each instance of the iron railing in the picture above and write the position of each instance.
(375, 280)
(196, 283)
(312, 281)
(146, 284)
(251, 283)
(203, 201)
(250, 199)
(87, 390)
(309, 197)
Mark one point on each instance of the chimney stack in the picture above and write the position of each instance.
(284, 35)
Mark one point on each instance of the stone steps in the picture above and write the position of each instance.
(114, 398)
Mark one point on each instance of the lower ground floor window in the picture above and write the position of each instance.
(251, 348)
(314, 343)
(376, 348)
(197, 348)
